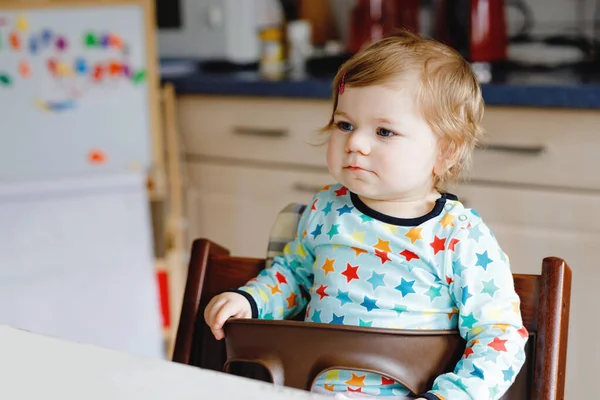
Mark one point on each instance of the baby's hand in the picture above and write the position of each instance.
(222, 307)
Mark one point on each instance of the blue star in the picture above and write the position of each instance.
(317, 231)
(478, 373)
(468, 321)
(475, 233)
(459, 267)
(465, 294)
(337, 320)
(475, 213)
(483, 260)
(316, 317)
(376, 280)
(365, 323)
(405, 287)
(327, 209)
(508, 374)
(344, 210)
(400, 309)
(365, 218)
(343, 297)
(369, 304)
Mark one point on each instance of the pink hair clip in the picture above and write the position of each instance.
(342, 84)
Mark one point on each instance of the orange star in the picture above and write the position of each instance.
(328, 266)
(498, 344)
(447, 220)
(414, 234)
(357, 380)
(358, 251)
(325, 187)
(383, 245)
(328, 387)
(274, 289)
(291, 300)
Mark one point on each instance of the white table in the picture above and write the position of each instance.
(39, 367)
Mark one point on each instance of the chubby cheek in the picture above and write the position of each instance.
(334, 153)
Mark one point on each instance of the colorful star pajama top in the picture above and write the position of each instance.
(352, 265)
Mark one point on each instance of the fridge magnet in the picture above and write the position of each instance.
(5, 79)
(98, 73)
(61, 43)
(139, 77)
(33, 44)
(81, 66)
(46, 37)
(15, 41)
(115, 41)
(22, 23)
(64, 69)
(114, 68)
(24, 69)
(97, 157)
(55, 106)
(52, 66)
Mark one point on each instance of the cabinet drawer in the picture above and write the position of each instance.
(273, 130)
(540, 147)
(533, 208)
(237, 206)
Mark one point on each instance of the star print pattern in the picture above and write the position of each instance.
(447, 272)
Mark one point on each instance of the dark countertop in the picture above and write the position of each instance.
(567, 87)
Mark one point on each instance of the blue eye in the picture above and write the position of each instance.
(345, 126)
(384, 132)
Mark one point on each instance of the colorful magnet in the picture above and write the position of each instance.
(81, 66)
(46, 37)
(98, 73)
(139, 77)
(55, 106)
(24, 69)
(114, 68)
(15, 41)
(5, 79)
(90, 40)
(22, 23)
(97, 157)
(126, 71)
(105, 40)
(52, 66)
(64, 69)
(33, 44)
(61, 43)
(115, 41)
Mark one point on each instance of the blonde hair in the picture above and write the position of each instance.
(448, 96)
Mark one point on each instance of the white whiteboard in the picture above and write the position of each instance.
(70, 105)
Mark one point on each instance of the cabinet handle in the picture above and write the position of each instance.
(306, 188)
(508, 148)
(260, 132)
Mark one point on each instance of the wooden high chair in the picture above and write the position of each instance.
(545, 303)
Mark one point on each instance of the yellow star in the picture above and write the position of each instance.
(516, 308)
(359, 251)
(383, 245)
(429, 311)
(263, 295)
(359, 236)
(22, 23)
(332, 375)
(452, 312)
(502, 327)
(414, 234)
(336, 246)
(300, 250)
(447, 220)
(391, 228)
(357, 380)
(274, 289)
(328, 266)
(477, 330)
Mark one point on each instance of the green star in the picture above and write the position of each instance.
(400, 309)
(333, 231)
(365, 218)
(489, 287)
(494, 392)
(434, 292)
(365, 323)
(468, 321)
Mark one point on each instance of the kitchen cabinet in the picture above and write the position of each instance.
(534, 182)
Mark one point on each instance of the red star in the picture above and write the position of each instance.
(438, 244)
(468, 352)
(341, 191)
(409, 255)
(321, 291)
(314, 205)
(291, 300)
(357, 390)
(449, 280)
(498, 344)
(280, 278)
(523, 332)
(387, 381)
(453, 243)
(351, 272)
(383, 255)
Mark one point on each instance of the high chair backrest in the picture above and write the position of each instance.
(545, 301)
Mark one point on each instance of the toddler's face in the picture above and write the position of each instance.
(380, 147)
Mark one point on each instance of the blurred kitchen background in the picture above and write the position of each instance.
(238, 92)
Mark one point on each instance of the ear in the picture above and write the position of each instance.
(447, 158)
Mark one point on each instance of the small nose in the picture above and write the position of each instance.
(358, 142)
